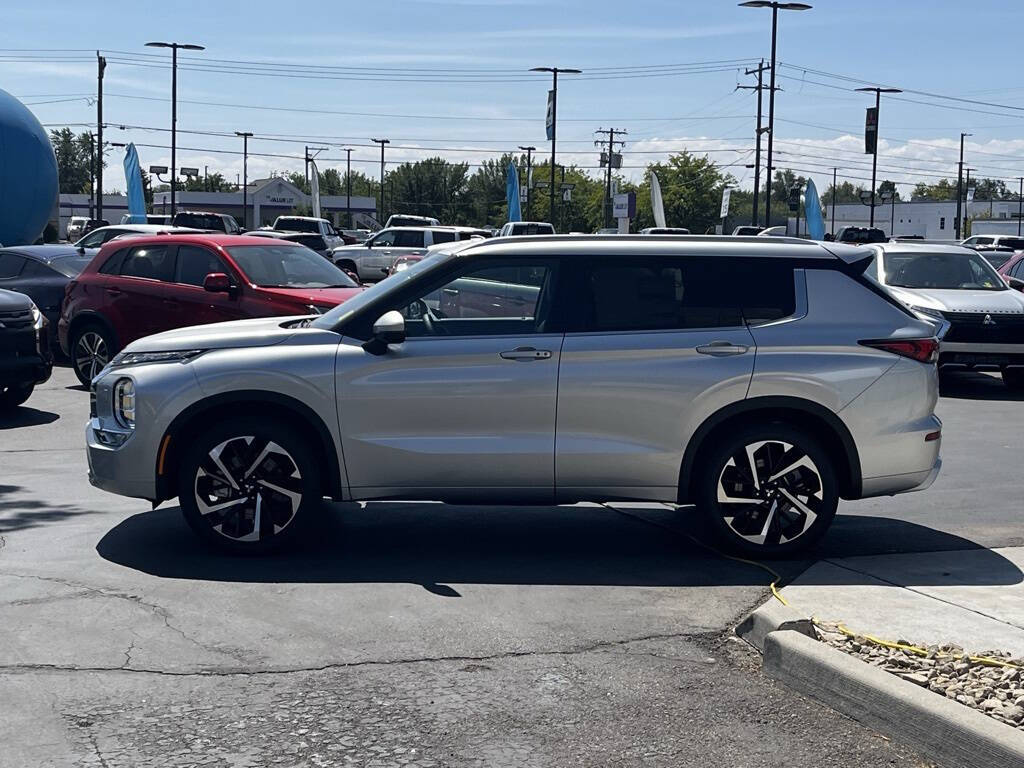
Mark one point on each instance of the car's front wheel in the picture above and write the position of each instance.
(14, 395)
(245, 486)
(769, 490)
(91, 349)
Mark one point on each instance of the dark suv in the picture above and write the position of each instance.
(218, 222)
(145, 285)
(24, 350)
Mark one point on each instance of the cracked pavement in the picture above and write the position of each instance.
(397, 634)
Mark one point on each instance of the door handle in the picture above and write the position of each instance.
(526, 353)
(114, 291)
(722, 349)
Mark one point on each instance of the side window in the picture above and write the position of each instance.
(405, 238)
(194, 264)
(113, 262)
(36, 269)
(151, 262)
(484, 301)
(1018, 270)
(384, 240)
(441, 236)
(766, 290)
(10, 265)
(96, 239)
(982, 240)
(659, 294)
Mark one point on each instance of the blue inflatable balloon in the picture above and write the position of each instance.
(28, 174)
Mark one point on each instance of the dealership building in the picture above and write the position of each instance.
(266, 199)
(930, 219)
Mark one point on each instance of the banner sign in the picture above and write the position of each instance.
(871, 131)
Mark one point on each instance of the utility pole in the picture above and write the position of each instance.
(1020, 204)
(834, 190)
(305, 164)
(874, 155)
(610, 132)
(960, 186)
(245, 176)
(553, 127)
(206, 178)
(382, 143)
(101, 64)
(761, 69)
(529, 175)
(348, 179)
(92, 175)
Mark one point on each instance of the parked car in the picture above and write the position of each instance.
(955, 286)
(1013, 271)
(82, 225)
(373, 260)
(312, 241)
(91, 243)
(144, 285)
(746, 231)
(665, 231)
(996, 255)
(214, 222)
(517, 228)
(860, 235)
(310, 225)
(42, 272)
(408, 220)
(25, 359)
(354, 236)
(1013, 242)
(151, 218)
(552, 370)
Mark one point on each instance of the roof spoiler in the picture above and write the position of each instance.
(855, 259)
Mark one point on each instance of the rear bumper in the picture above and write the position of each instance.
(890, 485)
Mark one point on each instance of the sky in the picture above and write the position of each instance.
(450, 78)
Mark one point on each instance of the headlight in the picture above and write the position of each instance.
(38, 320)
(124, 403)
(933, 314)
(142, 358)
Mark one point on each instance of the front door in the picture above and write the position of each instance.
(194, 304)
(465, 407)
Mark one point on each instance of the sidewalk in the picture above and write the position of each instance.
(973, 598)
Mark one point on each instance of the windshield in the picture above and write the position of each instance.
(71, 266)
(199, 221)
(963, 271)
(393, 282)
(297, 225)
(287, 266)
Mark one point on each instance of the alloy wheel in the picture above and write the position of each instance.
(770, 492)
(91, 354)
(248, 488)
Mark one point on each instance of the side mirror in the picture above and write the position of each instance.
(385, 270)
(1015, 283)
(389, 329)
(217, 282)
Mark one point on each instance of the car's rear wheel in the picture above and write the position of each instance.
(245, 486)
(14, 395)
(768, 490)
(91, 349)
(1013, 378)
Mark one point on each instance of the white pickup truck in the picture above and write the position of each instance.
(309, 225)
(373, 260)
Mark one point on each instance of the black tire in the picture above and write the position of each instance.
(287, 465)
(778, 523)
(14, 395)
(91, 347)
(1013, 378)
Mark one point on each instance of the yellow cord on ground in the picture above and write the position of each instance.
(774, 587)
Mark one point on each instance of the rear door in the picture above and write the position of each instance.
(653, 346)
(191, 303)
(138, 302)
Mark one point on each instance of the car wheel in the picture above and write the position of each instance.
(768, 491)
(1013, 378)
(245, 486)
(91, 349)
(14, 395)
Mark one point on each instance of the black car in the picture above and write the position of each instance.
(42, 272)
(24, 349)
(312, 241)
(860, 235)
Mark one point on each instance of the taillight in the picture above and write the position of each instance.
(922, 350)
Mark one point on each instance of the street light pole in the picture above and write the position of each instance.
(874, 155)
(1020, 204)
(554, 120)
(101, 65)
(529, 173)
(776, 7)
(960, 185)
(348, 179)
(382, 142)
(174, 104)
(835, 171)
(245, 177)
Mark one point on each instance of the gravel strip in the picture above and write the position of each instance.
(946, 670)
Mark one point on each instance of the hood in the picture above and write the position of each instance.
(962, 300)
(12, 301)
(324, 297)
(236, 334)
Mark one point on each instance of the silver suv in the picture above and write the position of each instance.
(761, 379)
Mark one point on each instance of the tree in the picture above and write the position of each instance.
(74, 160)
(691, 186)
(846, 192)
(431, 187)
(784, 181)
(888, 186)
(484, 202)
(214, 182)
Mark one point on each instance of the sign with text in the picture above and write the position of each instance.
(726, 194)
(624, 206)
(549, 122)
(158, 169)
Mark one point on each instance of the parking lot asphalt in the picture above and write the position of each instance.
(425, 634)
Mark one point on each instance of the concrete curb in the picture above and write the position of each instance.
(941, 730)
(768, 618)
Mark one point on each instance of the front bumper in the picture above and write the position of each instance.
(113, 468)
(971, 355)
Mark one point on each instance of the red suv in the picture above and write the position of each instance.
(138, 286)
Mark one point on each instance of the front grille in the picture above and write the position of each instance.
(985, 328)
(18, 319)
